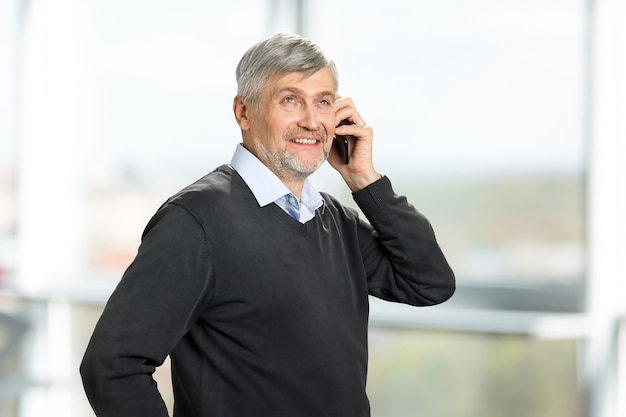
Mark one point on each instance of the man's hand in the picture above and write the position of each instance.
(359, 172)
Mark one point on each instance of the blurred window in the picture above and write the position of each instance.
(446, 374)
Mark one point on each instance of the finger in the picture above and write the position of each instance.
(345, 110)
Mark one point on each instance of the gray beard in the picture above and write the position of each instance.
(286, 165)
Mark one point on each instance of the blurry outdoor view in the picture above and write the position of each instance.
(443, 374)
(478, 115)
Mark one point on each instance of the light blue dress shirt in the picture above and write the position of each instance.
(268, 188)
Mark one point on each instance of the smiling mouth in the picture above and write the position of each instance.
(305, 141)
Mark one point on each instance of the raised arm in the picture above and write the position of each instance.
(402, 258)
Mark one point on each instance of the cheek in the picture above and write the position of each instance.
(329, 127)
(266, 130)
(328, 144)
(277, 126)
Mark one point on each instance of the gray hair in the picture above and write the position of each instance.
(280, 54)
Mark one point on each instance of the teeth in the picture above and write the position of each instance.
(305, 141)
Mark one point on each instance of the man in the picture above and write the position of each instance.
(254, 283)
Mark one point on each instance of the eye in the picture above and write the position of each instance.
(289, 102)
(324, 105)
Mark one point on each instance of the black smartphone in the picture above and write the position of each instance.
(342, 142)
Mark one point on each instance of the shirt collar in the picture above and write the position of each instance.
(265, 185)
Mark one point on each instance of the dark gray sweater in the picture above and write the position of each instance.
(261, 315)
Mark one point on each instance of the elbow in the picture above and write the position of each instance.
(95, 371)
(88, 372)
(86, 368)
(446, 283)
(446, 292)
(92, 374)
(443, 290)
(449, 286)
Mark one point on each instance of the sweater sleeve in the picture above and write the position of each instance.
(150, 310)
(402, 258)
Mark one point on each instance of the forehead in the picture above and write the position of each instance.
(320, 82)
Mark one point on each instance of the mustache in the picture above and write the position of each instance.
(319, 134)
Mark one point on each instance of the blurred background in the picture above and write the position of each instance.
(504, 122)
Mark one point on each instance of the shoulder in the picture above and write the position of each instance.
(208, 196)
(215, 182)
(217, 187)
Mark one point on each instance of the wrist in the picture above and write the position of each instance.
(360, 182)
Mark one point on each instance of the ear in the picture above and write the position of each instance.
(241, 113)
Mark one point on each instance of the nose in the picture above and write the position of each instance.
(308, 118)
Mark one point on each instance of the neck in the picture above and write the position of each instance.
(295, 186)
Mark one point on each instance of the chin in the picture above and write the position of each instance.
(312, 166)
